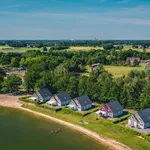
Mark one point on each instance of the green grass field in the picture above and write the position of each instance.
(102, 126)
(83, 48)
(127, 47)
(7, 49)
(118, 71)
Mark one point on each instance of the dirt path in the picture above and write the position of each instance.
(12, 101)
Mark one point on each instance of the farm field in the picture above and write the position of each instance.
(83, 48)
(118, 71)
(127, 47)
(7, 49)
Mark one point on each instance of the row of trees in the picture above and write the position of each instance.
(82, 58)
(68, 43)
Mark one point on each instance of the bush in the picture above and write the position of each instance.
(146, 137)
(45, 106)
(90, 111)
(70, 111)
(122, 118)
(27, 100)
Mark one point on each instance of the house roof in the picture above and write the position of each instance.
(95, 65)
(84, 100)
(145, 115)
(115, 106)
(63, 96)
(45, 92)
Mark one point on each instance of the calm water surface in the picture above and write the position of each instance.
(24, 131)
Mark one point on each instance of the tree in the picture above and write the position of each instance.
(128, 63)
(135, 63)
(145, 96)
(44, 49)
(11, 83)
(22, 63)
(2, 75)
(14, 62)
(108, 46)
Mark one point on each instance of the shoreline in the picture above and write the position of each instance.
(110, 143)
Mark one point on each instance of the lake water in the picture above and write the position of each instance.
(24, 131)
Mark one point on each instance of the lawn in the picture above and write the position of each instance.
(118, 71)
(83, 48)
(102, 126)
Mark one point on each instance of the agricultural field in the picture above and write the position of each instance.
(7, 49)
(83, 48)
(118, 71)
(127, 47)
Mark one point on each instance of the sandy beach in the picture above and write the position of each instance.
(13, 102)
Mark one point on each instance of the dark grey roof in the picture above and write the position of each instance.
(115, 106)
(145, 115)
(63, 96)
(45, 92)
(84, 100)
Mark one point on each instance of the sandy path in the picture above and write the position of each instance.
(12, 101)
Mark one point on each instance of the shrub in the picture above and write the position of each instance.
(122, 118)
(45, 106)
(146, 137)
(27, 100)
(90, 111)
(70, 111)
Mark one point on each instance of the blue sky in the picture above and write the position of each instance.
(74, 19)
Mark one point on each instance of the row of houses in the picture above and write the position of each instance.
(140, 119)
(62, 99)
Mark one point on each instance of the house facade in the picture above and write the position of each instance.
(140, 119)
(112, 110)
(141, 61)
(132, 59)
(81, 103)
(60, 99)
(42, 95)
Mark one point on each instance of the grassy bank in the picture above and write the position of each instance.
(103, 127)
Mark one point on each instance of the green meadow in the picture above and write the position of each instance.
(118, 71)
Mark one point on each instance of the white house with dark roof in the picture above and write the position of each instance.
(59, 99)
(42, 95)
(140, 119)
(112, 110)
(81, 103)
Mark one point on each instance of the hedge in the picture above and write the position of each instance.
(45, 106)
(70, 111)
(90, 111)
(122, 118)
(27, 100)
